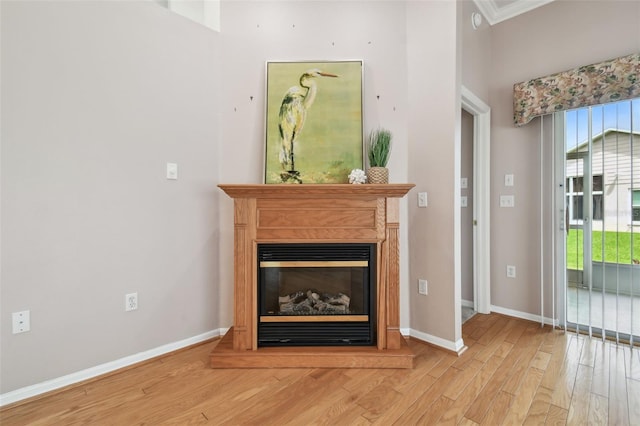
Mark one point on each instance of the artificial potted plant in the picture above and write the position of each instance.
(379, 148)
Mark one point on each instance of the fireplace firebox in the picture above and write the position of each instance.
(318, 294)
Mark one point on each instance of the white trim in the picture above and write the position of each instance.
(560, 232)
(406, 332)
(523, 315)
(438, 341)
(89, 373)
(467, 303)
(482, 201)
(542, 247)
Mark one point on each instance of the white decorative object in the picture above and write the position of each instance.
(357, 176)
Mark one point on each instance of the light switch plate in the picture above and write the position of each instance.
(422, 199)
(508, 180)
(463, 201)
(423, 287)
(464, 183)
(172, 171)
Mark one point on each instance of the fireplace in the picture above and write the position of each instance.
(316, 278)
(316, 294)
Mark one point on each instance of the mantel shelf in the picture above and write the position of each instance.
(393, 190)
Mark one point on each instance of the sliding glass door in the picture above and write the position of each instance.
(602, 217)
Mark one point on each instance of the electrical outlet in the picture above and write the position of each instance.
(507, 201)
(511, 271)
(423, 287)
(21, 321)
(131, 302)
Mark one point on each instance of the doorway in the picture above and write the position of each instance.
(468, 307)
(478, 185)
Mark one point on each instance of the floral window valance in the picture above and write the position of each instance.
(608, 81)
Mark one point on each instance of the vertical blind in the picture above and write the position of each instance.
(602, 174)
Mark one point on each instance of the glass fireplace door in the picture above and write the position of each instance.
(316, 294)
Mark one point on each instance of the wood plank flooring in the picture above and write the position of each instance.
(513, 373)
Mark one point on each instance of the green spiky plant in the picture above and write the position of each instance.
(379, 147)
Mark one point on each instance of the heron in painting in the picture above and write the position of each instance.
(293, 112)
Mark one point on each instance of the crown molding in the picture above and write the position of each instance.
(495, 13)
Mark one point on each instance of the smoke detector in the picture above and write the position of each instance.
(476, 20)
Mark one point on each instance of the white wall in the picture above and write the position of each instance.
(556, 37)
(96, 98)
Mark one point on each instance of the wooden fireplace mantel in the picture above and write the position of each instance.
(339, 213)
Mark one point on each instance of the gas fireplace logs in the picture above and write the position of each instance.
(313, 303)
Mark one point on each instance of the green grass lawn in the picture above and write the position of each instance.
(616, 246)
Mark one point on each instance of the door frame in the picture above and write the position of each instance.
(481, 202)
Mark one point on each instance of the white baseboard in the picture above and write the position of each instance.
(89, 373)
(438, 341)
(467, 303)
(522, 315)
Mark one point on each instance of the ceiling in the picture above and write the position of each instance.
(496, 11)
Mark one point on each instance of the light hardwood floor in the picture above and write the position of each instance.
(513, 373)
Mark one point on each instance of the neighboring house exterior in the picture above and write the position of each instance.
(615, 166)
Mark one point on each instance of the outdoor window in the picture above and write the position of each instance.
(635, 204)
(575, 185)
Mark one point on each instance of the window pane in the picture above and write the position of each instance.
(577, 184)
(577, 207)
(598, 208)
(636, 198)
(597, 183)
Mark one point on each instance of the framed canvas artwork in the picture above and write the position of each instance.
(314, 121)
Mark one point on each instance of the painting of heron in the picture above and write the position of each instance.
(314, 121)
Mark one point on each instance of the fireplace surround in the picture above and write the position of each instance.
(319, 215)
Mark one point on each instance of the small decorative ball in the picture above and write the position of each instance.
(357, 176)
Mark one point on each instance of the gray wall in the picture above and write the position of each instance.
(434, 166)
(476, 52)
(96, 98)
